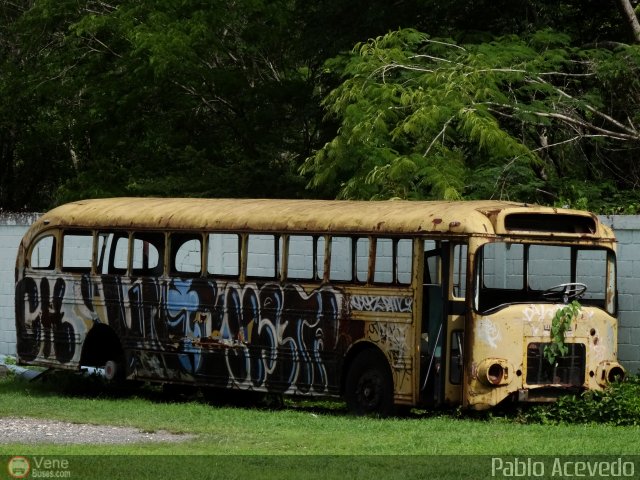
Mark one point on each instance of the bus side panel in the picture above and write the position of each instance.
(386, 315)
(51, 320)
(262, 336)
(258, 336)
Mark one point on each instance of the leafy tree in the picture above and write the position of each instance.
(160, 98)
(170, 98)
(189, 99)
(122, 97)
(31, 159)
(628, 13)
(423, 117)
(585, 21)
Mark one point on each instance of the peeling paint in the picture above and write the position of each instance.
(488, 332)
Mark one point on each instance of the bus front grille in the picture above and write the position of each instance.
(568, 369)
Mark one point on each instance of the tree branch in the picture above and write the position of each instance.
(440, 134)
(626, 9)
(631, 131)
(567, 119)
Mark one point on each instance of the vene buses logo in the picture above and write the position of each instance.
(18, 467)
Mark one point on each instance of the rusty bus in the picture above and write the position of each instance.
(385, 304)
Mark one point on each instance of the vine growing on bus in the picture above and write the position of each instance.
(559, 325)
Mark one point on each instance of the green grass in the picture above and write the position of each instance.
(300, 428)
(263, 440)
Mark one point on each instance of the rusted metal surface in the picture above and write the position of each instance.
(291, 336)
(510, 335)
(384, 217)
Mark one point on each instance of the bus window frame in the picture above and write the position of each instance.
(111, 268)
(286, 249)
(349, 281)
(463, 286)
(395, 240)
(326, 260)
(610, 274)
(54, 261)
(156, 271)
(77, 232)
(368, 269)
(171, 253)
(239, 276)
(276, 257)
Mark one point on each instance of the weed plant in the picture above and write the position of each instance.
(618, 404)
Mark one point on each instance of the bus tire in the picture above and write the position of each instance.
(369, 386)
(113, 371)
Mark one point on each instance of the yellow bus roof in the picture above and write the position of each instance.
(317, 216)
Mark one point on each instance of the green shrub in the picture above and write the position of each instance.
(8, 360)
(618, 404)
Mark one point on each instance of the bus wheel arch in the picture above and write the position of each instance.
(367, 384)
(102, 349)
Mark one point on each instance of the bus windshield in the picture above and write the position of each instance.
(508, 273)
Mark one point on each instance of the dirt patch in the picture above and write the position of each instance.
(37, 430)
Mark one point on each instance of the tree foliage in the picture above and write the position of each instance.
(515, 117)
(185, 98)
(160, 98)
(193, 98)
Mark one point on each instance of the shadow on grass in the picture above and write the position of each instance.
(82, 385)
(617, 405)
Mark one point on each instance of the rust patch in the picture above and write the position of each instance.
(492, 214)
(474, 372)
(349, 330)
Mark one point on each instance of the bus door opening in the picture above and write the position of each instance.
(433, 332)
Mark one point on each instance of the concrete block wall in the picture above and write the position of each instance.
(627, 230)
(12, 227)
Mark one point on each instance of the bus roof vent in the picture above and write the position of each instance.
(550, 222)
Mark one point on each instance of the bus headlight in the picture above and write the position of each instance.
(494, 372)
(609, 372)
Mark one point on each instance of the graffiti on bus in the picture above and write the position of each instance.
(263, 336)
(43, 309)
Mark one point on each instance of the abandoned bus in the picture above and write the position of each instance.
(385, 304)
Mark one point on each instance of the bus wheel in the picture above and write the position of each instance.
(113, 371)
(369, 386)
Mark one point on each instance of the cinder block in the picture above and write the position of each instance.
(624, 335)
(624, 237)
(635, 337)
(629, 353)
(625, 302)
(627, 319)
(630, 286)
(12, 228)
(633, 368)
(636, 305)
(607, 220)
(628, 252)
(635, 269)
(625, 222)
